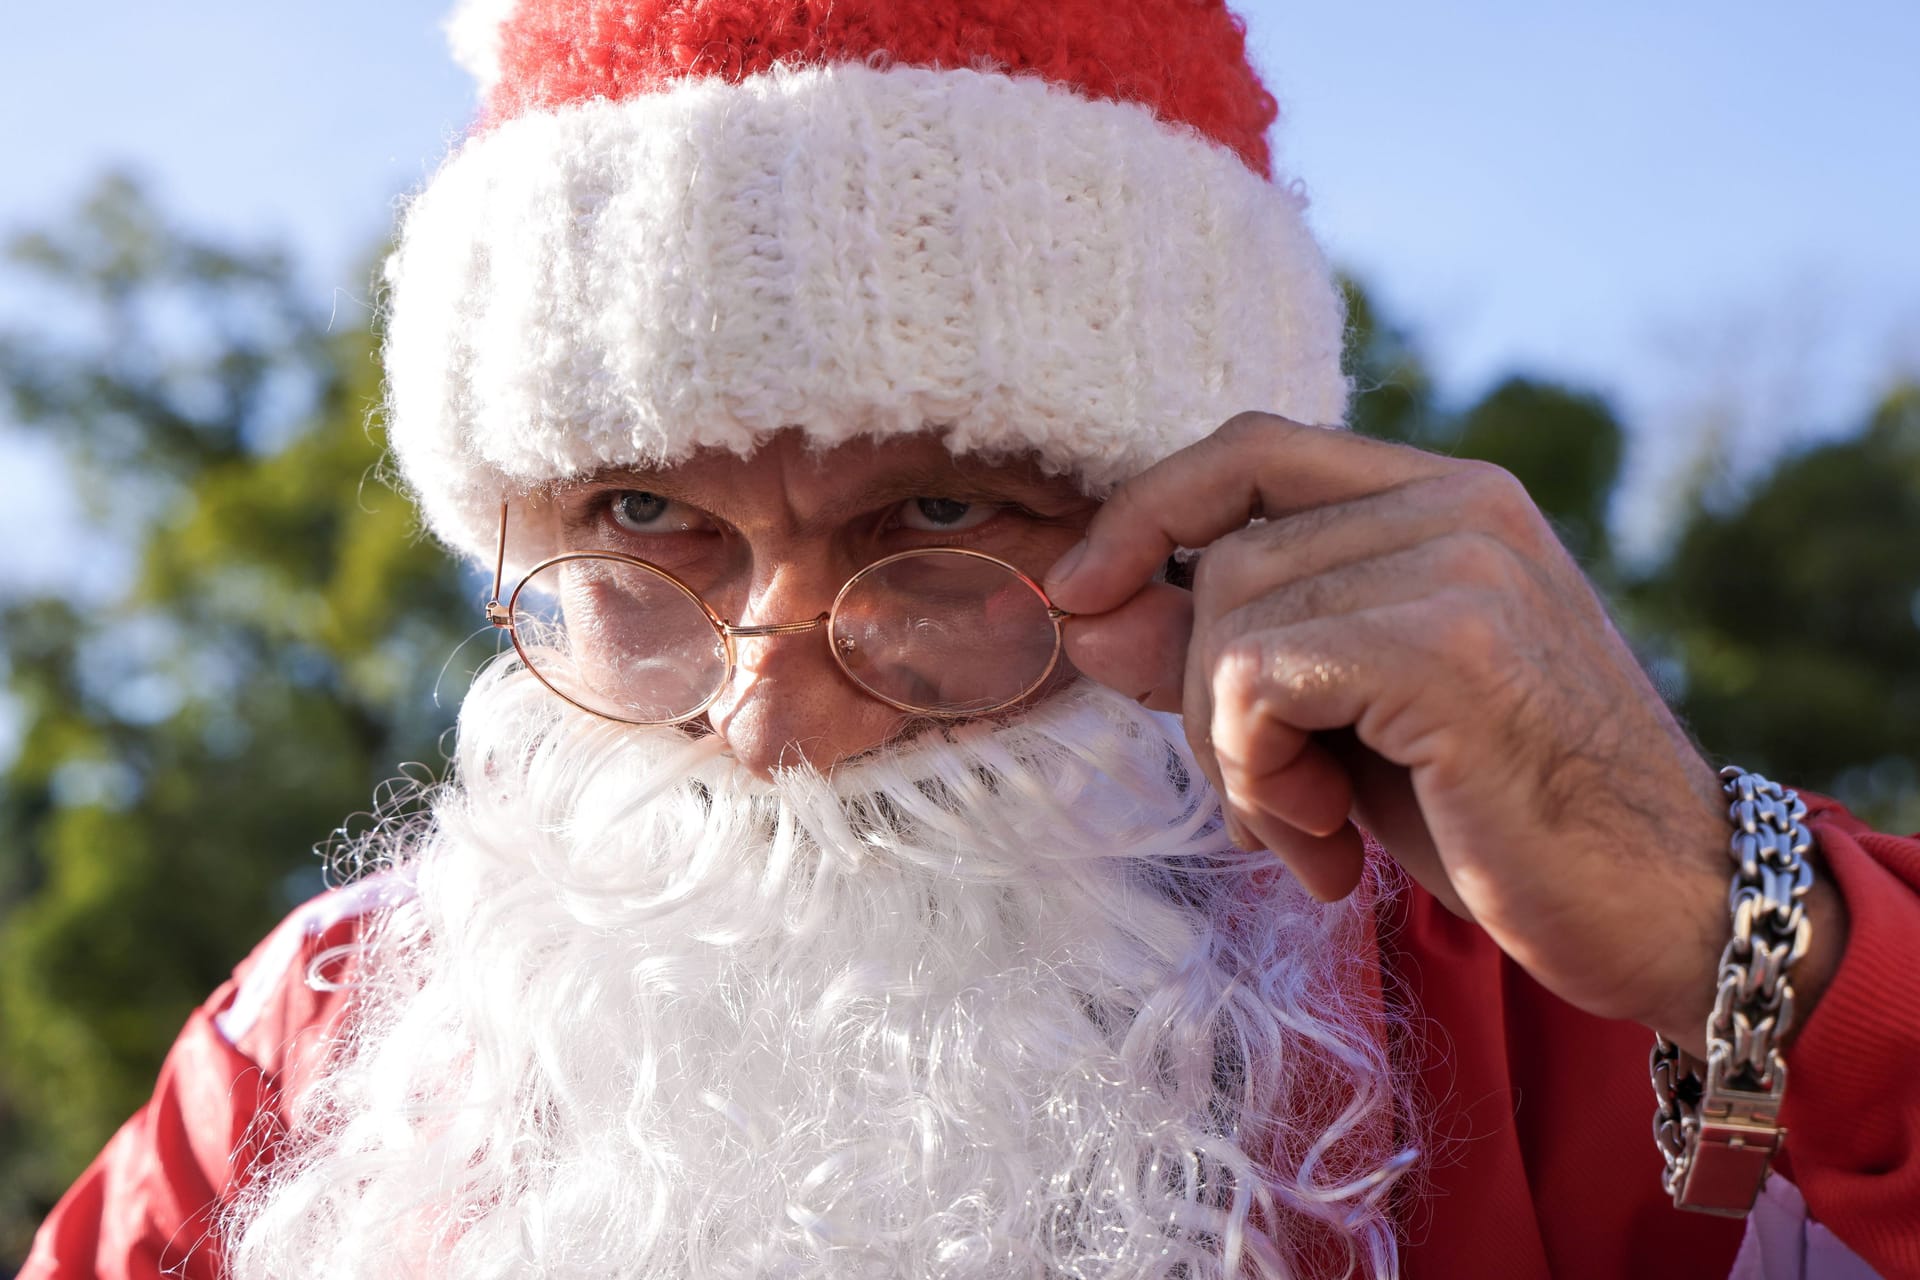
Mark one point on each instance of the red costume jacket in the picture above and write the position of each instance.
(1545, 1164)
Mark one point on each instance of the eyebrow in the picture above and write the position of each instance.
(961, 484)
(964, 483)
(923, 480)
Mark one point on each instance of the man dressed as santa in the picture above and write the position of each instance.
(916, 828)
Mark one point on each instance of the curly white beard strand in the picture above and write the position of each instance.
(1000, 1002)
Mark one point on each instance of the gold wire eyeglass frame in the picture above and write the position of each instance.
(501, 617)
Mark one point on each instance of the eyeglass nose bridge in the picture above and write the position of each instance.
(733, 632)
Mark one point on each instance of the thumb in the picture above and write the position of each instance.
(1140, 648)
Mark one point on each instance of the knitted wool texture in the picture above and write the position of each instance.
(1186, 63)
(1039, 228)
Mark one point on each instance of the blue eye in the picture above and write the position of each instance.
(945, 515)
(640, 512)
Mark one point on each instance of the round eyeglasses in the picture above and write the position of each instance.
(939, 631)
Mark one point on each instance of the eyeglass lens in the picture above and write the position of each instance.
(943, 632)
(618, 639)
(939, 631)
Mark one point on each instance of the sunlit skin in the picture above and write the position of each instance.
(1399, 644)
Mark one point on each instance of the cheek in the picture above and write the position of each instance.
(709, 564)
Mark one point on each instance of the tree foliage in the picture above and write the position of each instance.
(188, 734)
(1792, 616)
(1566, 446)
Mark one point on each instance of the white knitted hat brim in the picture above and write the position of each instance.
(852, 252)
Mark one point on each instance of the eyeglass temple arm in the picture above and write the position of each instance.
(497, 613)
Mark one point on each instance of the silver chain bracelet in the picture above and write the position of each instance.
(1718, 1122)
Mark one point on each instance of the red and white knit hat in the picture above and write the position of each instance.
(1031, 225)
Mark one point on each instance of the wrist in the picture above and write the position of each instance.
(1696, 935)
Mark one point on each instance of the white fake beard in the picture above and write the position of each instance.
(1001, 1002)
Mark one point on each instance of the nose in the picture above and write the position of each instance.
(787, 702)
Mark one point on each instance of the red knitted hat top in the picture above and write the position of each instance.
(1185, 60)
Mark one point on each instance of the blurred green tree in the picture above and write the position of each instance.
(1788, 618)
(190, 728)
(1566, 446)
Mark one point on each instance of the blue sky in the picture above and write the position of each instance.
(1705, 210)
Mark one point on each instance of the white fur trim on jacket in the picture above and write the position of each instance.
(849, 251)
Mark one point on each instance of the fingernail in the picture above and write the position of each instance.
(1063, 567)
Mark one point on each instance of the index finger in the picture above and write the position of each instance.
(1256, 465)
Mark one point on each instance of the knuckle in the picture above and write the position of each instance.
(1241, 425)
(1251, 428)
(1237, 669)
(1278, 666)
(1463, 631)
(1472, 558)
(1485, 472)
(1501, 504)
(1490, 482)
